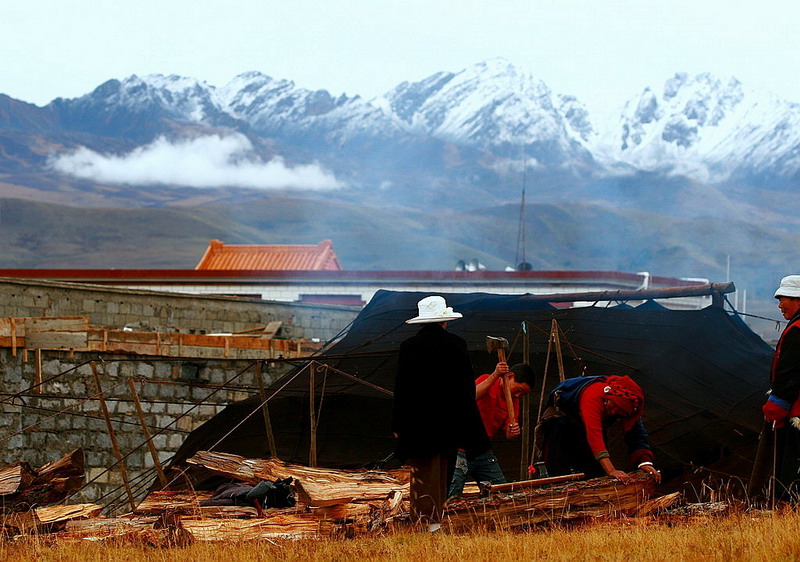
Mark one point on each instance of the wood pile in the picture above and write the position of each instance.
(22, 487)
(330, 503)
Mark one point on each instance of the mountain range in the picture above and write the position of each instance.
(678, 180)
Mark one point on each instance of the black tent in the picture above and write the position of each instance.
(704, 373)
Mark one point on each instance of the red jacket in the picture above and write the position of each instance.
(492, 407)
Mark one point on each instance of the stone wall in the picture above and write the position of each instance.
(39, 425)
(117, 308)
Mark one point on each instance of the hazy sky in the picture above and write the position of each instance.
(602, 51)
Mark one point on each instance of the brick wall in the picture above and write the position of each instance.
(39, 425)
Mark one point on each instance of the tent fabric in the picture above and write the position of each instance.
(704, 374)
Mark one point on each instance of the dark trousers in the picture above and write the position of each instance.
(787, 469)
(430, 479)
(565, 449)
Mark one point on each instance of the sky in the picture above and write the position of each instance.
(601, 51)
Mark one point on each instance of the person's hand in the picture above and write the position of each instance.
(501, 369)
(620, 475)
(513, 430)
(652, 470)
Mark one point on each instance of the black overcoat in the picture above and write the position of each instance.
(434, 409)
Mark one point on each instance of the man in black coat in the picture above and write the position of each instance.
(434, 412)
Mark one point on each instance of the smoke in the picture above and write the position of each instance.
(209, 161)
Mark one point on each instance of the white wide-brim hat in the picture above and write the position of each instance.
(790, 287)
(434, 309)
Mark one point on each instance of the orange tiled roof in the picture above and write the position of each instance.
(270, 257)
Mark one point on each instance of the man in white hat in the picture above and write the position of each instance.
(434, 411)
(783, 404)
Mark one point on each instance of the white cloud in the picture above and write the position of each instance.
(209, 161)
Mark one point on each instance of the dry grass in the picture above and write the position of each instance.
(743, 536)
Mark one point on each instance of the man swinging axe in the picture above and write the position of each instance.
(497, 395)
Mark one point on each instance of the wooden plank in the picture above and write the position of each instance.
(55, 324)
(57, 340)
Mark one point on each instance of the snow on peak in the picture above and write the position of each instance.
(492, 102)
(714, 127)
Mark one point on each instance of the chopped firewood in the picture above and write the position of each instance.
(658, 504)
(278, 526)
(47, 491)
(48, 518)
(391, 508)
(15, 477)
(63, 513)
(134, 535)
(102, 525)
(591, 498)
(70, 464)
(21, 487)
(343, 511)
(182, 501)
(316, 486)
(228, 511)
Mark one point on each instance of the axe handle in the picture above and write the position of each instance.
(512, 418)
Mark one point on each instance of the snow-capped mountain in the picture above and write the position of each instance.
(707, 128)
(465, 128)
(492, 105)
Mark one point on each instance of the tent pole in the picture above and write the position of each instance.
(147, 438)
(525, 409)
(113, 436)
(559, 355)
(273, 452)
(312, 453)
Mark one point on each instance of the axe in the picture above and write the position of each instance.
(500, 345)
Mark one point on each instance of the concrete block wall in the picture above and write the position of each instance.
(151, 310)
(41, 425)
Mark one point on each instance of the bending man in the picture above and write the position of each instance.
(572, 430)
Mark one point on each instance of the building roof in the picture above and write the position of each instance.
(270, 257)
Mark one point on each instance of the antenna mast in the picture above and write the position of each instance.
(519, 260)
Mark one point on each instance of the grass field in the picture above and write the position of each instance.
(750, 535)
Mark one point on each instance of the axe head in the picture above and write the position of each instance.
(494, 344)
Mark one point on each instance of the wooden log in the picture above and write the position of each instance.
(100, 525)
(660, 503)
(47, 518)
(316, 486)
(71, 464)
(53, 482)
(48, 492)
(278, 526)
(182, 501)
(15, 477)
(63, 513)
(604, 496)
